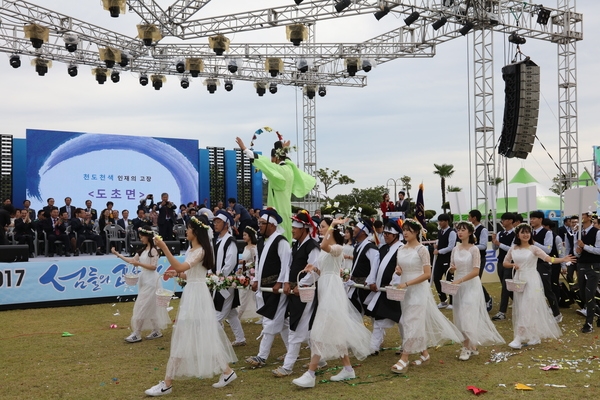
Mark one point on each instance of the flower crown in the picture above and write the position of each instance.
(251, 229)
(147, 232)
(523, 224)
(466, 223)
(199, 223)
(412, 221)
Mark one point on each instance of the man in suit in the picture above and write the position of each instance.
(23, 230)
(125, 222)
(49, 206)
(92, 211)
(402, 203)
(31, 211)
(502, 242)
(443, 250)
(166, 217)
(84, 227)
(68, 208)
(55, 229)
(141, 220)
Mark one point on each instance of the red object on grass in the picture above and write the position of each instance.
(476, 390)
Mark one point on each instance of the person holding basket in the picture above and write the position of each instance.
(146, 315)
(531, 319)
(470, 314)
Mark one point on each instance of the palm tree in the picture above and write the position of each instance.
(444, 171)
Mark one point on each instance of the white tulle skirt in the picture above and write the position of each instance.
(146, 315)
(199, 346)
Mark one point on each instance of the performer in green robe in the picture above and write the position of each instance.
(284, 179)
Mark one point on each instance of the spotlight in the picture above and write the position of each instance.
(302, 65)
(516, 39)
(232, 68)
(219, 44)
(72, 70)
(261, 88)
(367, 65)
(115, 77)
(211, 87)
(382, 13)
(466, 28)
(41, 65)
(322, 91)
(37, 43)
(124, 60)
(15, 61)
(439, 23)
(71, 41)
(143, 79)
(412, 18)
(185, 83)
(298, 2)
(260, 91)
(100, 78)
(109, 63)
(180, 67)
(228, 85)
(543, 16)
(352, 65)
(309, 91)
(157, 84)
(342, 5)
(71, 47)
(157, 81)
(272, 88)
(114, 11)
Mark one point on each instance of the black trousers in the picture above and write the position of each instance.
(554, 279)
(504, 274)
(588, 276)
(165, 229)
(439, 270)
(545, 271)
(486, 295)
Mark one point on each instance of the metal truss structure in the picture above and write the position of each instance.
(428, 23)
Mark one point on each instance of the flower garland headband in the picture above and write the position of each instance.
(199, 223)
(466, 223)
(281, 152)
(147, 232)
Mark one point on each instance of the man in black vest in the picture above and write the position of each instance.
(274, 256)
(226, 262)
(558, 250)
(366, 259)
(481, 239)
(385, 312)
(305, 251)
(443, 249)
(502, 243)
(544, 239)
(588, 268)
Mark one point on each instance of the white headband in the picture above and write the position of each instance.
(223, 218)
(296, 224)
(391, 230)
(363, 228)
(273, 220)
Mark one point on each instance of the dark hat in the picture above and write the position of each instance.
(225, 217)
(270, 214)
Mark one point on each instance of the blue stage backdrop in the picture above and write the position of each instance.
(102, 167)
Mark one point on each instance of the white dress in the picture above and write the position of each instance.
(146, 315)
(199, 346)
(532, 319)
(348, 250)
(338, 327)
(247, 307)
(423, 325)
(470, 314)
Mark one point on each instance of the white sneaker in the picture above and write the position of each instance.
(515, 344)
(133, 338)
(442, 304)
(534, 342)
(559, 318)
(582, 312)
(225, 380)
(305, 381)
(343, 375)
(464, 354)
(159, 390)
(154, 335)
(449, 307)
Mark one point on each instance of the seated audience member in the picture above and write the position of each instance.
(24, 231)
(141, 220)
(55, 229)
(84, 227)
(68, 208)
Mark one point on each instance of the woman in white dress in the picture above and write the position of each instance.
(248, 261)
(348, 249)
(338, 327)
(470, 314)
(423, 325)
(146, 315)
(199, 346)
(532, 320)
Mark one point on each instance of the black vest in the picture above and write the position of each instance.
(300, 258)
(478, 239)
(589, 239)
(387, 308)
(272, 265)
(570, 238)
(362, 264)
(218, 299)
(443, 243)
(539, 238)
(507, 239)
(218, 246)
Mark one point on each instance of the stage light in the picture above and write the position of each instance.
(37, 34)
(185, 83)
(115, 77)
(71, 41)
(322, 91)
(100, 74)
(219, 44)
(124, 60)
(367, 65)
(15, 61)
(272, 88)
(543, 16)
(148, 33)
(412, 18)
(342, 5)
(352, 65)
(466, 28)
(211, 85)
(302, 65)
(110, 56)
(310, 91)
(143, 79)
(195, 66)
(296, 33)
(72, 70)
(41, 65)
(274, 65)
(439, 23)
(157, 81)
(261, 88)
(228, 85)
(232, 65)
(516, 39)
(115, 7)
(180, 67)
(382, 13)
(298, 2)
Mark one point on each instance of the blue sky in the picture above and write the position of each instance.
(412, 114)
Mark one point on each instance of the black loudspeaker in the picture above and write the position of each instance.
(521, 108)
(174, 246)
(14, 253)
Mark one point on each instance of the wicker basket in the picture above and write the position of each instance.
(449, 288)
(163, 297)
(515, 285)
(131, 279)
(394, 293)
(307, 293)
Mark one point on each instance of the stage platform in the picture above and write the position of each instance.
(57, 281)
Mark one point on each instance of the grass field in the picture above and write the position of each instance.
(37, 362)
